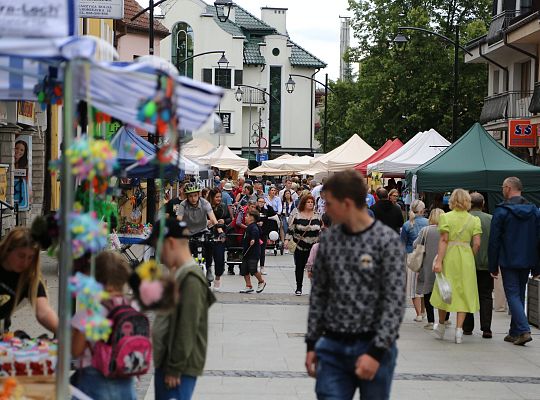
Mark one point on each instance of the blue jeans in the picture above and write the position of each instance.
(184, 391)
(92, 383)
(515, 283)
(336, 364)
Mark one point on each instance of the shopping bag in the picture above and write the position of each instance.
(445, 290)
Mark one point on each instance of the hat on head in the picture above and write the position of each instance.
(172, 228)
(228, 186)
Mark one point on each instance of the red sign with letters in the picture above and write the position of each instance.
(522, 133)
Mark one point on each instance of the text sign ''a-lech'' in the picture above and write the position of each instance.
(107, 9)
(37, 18)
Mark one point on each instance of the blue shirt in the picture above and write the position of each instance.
(370, 200)
(226, 198)
(275, 203)
(409, 232)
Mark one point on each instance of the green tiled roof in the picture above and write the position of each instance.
(229, 27)
(303, 58)
(252, 53)
(249, 22)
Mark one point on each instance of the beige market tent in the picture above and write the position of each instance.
(286, 164)
(348, 155)
(197, 148)
(224, 159)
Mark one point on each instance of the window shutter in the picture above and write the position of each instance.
(207, 75)
(238, 77)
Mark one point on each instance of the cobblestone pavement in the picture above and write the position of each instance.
(256, 350)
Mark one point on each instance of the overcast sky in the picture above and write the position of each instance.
(314, 25)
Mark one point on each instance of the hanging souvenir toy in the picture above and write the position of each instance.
(92, 314)
(88, 234)
(133, 150)
(90, 158)
(49, 91)
(160, 110)
(152, 288)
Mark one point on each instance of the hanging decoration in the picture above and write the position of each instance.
(160, 110)
(92, 314)
(88, 233)
(49, 92)
(91, 158)
(133, 150)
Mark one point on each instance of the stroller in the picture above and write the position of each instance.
(271, 229)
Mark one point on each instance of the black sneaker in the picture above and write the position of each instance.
(298, 292)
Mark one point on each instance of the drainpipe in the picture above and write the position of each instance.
(311, 124)
(533, 56)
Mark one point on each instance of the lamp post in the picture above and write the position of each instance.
(290, 86)
(223, 63)
(239, 95)
(401, 41)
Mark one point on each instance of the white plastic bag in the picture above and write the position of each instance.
(445, 289)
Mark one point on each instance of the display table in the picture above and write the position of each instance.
(127, 240)
(35, 387)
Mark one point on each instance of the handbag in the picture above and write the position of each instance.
(416, 258)
(291, 244)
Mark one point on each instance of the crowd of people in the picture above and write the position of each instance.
(344, 235)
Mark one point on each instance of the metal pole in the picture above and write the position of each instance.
(261, 135)
(151, 183)
(249, 129)
(151, 28)
(325, 139)
(456, 79)
(65, 260)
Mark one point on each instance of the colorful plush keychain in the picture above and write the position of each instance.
(88, 234)
(49, 91)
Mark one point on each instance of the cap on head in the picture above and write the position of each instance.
(172, 228)
(228, 186)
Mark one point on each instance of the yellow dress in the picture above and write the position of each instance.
(458, 264)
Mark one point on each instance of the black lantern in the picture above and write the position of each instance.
(400, 41)
(238, 94)
(223, 63)
(223, 9)
(290, 85)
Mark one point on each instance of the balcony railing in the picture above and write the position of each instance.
(498, 24)
(534, 107)
(507, 105)
(253, 96)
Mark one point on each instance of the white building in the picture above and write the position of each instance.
(260, 54)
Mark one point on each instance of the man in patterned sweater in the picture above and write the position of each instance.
(357, 297)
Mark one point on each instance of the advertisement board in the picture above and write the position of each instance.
(37, 18)
(521, 133)
(107, 9)
(22, 171)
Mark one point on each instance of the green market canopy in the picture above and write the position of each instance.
(475, 162)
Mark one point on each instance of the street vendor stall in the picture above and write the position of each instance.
(224, 159)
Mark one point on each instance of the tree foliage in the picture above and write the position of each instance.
(397, 94)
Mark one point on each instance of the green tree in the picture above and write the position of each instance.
(397, 94)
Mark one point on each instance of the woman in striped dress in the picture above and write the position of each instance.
(304, 229)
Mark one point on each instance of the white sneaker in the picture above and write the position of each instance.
(459, 335)
(217, 285)
(261, 286)
(418, 318)
(247, 289)
(439, 330)
(428, 326)
(263, 271)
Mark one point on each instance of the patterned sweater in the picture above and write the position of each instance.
(358, 287)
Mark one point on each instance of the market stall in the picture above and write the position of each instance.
(420, 149)
(284, 165)
(475, 162)
(390, 147)
(224, 159)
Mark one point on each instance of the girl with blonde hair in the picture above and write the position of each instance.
(455, 260)
(409, 233)
(20, 277)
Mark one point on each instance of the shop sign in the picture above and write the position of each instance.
(26, 112)
(521, 133)
(107, 9)
(226, 122)
(37, 18)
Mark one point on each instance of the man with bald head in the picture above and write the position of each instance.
(513, 246)
(483, 278)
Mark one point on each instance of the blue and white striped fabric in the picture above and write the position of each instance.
(16, 84)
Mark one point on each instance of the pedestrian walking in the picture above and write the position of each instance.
(287, 202)
(251, 253)
(221, 212)
(455, 259)
(304, 230)
(357, 299)
(180, 336)
(513, 246)
(268, 222)
(483, 277)
(429, 236)
(386, 211)
(326, 223)
(409, 233)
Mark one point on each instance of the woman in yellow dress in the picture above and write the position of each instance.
(455, 259)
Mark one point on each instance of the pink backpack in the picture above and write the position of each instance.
(128, 352)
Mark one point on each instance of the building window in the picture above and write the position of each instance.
(238, 77)
(182, 42)
(496, 82)
(525, 78)
(275, 106)
(275, 51)
(222, 77)
(207, 75)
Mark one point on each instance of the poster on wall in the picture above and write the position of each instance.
(22, 171)
(3, 182)
(26, 113)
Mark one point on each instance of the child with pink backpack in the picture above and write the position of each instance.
(106, 370)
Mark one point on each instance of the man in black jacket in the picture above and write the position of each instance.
(386, 211)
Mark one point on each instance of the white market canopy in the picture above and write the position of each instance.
(224, 159)
(348, 155)
(197, 148)
(417, 151)
(283, 165)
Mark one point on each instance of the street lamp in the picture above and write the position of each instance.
(291, 84)
(238, 94)
(401, 41)
(222, 62)
(223, 9)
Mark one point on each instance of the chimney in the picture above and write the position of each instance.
(276, 18)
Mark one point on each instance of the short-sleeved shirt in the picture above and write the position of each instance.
(195, 217)
(226, 198)
(8, 287)
(460, 225)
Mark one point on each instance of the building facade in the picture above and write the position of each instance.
(511, 49)
(260, 54)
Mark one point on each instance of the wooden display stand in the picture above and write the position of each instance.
(533, 302)
(35, 387)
